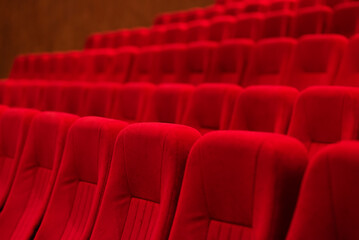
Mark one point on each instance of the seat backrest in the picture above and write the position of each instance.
(139, 37)
(316, 60)
(270, 62)
(230, 60)
(81, 180)
(348, 74)
(346, 19)
(278, 24)
(145, 66)
(239, 185)
(168, 103)
(130, 101)
(221, 27)
(37, 171)
(71, 97)
(327, 205)
(198, 31)
(18, 67)
(249, 26)
(14, 125)
(198, 58)
(211, 106)
(325, 115)
(151, 181)
(312, 20)
(175, 33)
(264, 109)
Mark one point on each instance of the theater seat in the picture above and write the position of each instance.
(198, 31)
(140, 199)
(120, 69)
(327, 204)
(194, 14)
(348, 74)
(97, 63)
(313, 20)
(278, 24)
(270, 62)
(161, 19)
(249, 26)
(230, 61)
(145, 65)
(171, 60)
(14, 125)
(213, 11)
(280, 5)
(221, 27)
(82, 177)
(175, 33)
(130, 101)
(239, 185)
(316, 60)
(168, 103)
(346, 19)
(264, 109)
(325, 115)
(71, 97)
(211, 106)
(198, 59)
(36, 175)
(18, 67)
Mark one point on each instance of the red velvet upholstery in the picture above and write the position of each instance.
(14, 125)
(168, 103)
(71, 97)
(316, 60)
(348, 74)
(239, 185)
(313, 20)
(221, 27)
(278, 24)
(249, 26)
(145, 66)
(346, 19)
(175, 33)
(270, 62)
(264, 109)
(120, 69)
(82, 177)
(327, 205)
(143, 186)
(230, 61)
(171, 62)
(211, 106)
(325, 115)
(36, 175)
(198, 59)
(198, 31)
(130, 101)
(280, 5)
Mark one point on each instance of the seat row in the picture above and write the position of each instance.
(314, 20)
(272, 5)
(321, 115)
(313, 60)
(64, 177)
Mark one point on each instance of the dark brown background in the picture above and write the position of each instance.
(52, 25)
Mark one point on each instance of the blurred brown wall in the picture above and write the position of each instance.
(51, 25)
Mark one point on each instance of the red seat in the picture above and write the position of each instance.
(348, 74)
(138, 37)
(120, 69)
(280, 5)
(198, 59)
(81, 180)
(130, 101)
(327, 204)
(71, 98)
(278, 24)
(346, 19)
(221, 27)
(171, 60)
(194, 14)
(211, 106)
(316, 60)
(239, 185)
(198, 31)
(313, 20)
(234, 9)
(140, 199)
(255, 6)
(14, 125)
(175, 33)
(163, 18)
(270, 62)
(230, 61)
(325, 115)
(157, 35)
(18, 68)
(213, 11)
(36, 175)
(145, 66)
(13, 93)
(264, 109)
(168, 103)
(249, 26)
